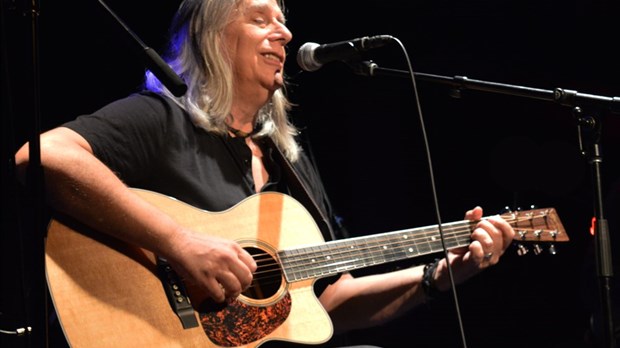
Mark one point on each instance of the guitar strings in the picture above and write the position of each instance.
(390, 254)
(378, 250)
(368, 251)
(386, 250)
(336, 254)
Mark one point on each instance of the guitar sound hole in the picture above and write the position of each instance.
(267, 277)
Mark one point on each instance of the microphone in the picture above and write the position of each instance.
(311, 56)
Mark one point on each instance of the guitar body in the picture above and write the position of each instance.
(108, 294)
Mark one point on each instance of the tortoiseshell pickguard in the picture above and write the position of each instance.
(238, 324)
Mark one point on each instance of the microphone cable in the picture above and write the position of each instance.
(433, 188)
(366, 69)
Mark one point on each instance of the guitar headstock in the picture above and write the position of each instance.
(537, 226)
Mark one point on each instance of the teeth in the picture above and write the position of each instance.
(272, 56)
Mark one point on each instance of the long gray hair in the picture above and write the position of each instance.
(196, 54)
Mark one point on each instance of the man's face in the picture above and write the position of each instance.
(255, 40)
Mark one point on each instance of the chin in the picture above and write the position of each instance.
(276, 85)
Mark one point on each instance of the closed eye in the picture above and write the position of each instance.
(259, 20)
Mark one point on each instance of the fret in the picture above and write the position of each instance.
(345, 255)
(425, 239)
(409, 243)
(397, 247)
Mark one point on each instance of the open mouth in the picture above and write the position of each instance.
(273, 57)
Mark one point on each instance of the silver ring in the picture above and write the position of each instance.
(488, 256)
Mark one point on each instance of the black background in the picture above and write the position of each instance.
(488, 149)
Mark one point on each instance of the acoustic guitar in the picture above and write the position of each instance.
(108, 293)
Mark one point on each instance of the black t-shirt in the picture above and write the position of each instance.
(151, 143)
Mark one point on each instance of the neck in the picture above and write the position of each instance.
(247, 102)
(241, 134)
(240, 124)
(243, 116)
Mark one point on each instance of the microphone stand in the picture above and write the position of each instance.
(153, 61)
(35, 172)
(589, 128)
(564, 97)
(36, 194)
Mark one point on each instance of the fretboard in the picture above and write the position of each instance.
(349, 254)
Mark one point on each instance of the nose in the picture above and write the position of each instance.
(282, 33)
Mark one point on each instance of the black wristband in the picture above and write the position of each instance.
(428, 280)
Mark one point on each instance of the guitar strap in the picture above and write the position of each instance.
(300, 192)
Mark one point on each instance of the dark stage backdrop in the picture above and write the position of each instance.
(365, 135)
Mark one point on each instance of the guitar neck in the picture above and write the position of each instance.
(345, 255)
(536, 225)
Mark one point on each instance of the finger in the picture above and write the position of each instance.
(486, 234)
(505, 229)
(247, 258)
(476, 251)
(490, 240)
(483, 255)
(243, 273)
(474, 214)
(215, 291)
(230, 283)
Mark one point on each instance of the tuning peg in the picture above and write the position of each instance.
(537, 249)
(522, 249)
(531, 207)
(507, 209)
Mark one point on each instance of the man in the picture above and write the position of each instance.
(214, 147)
